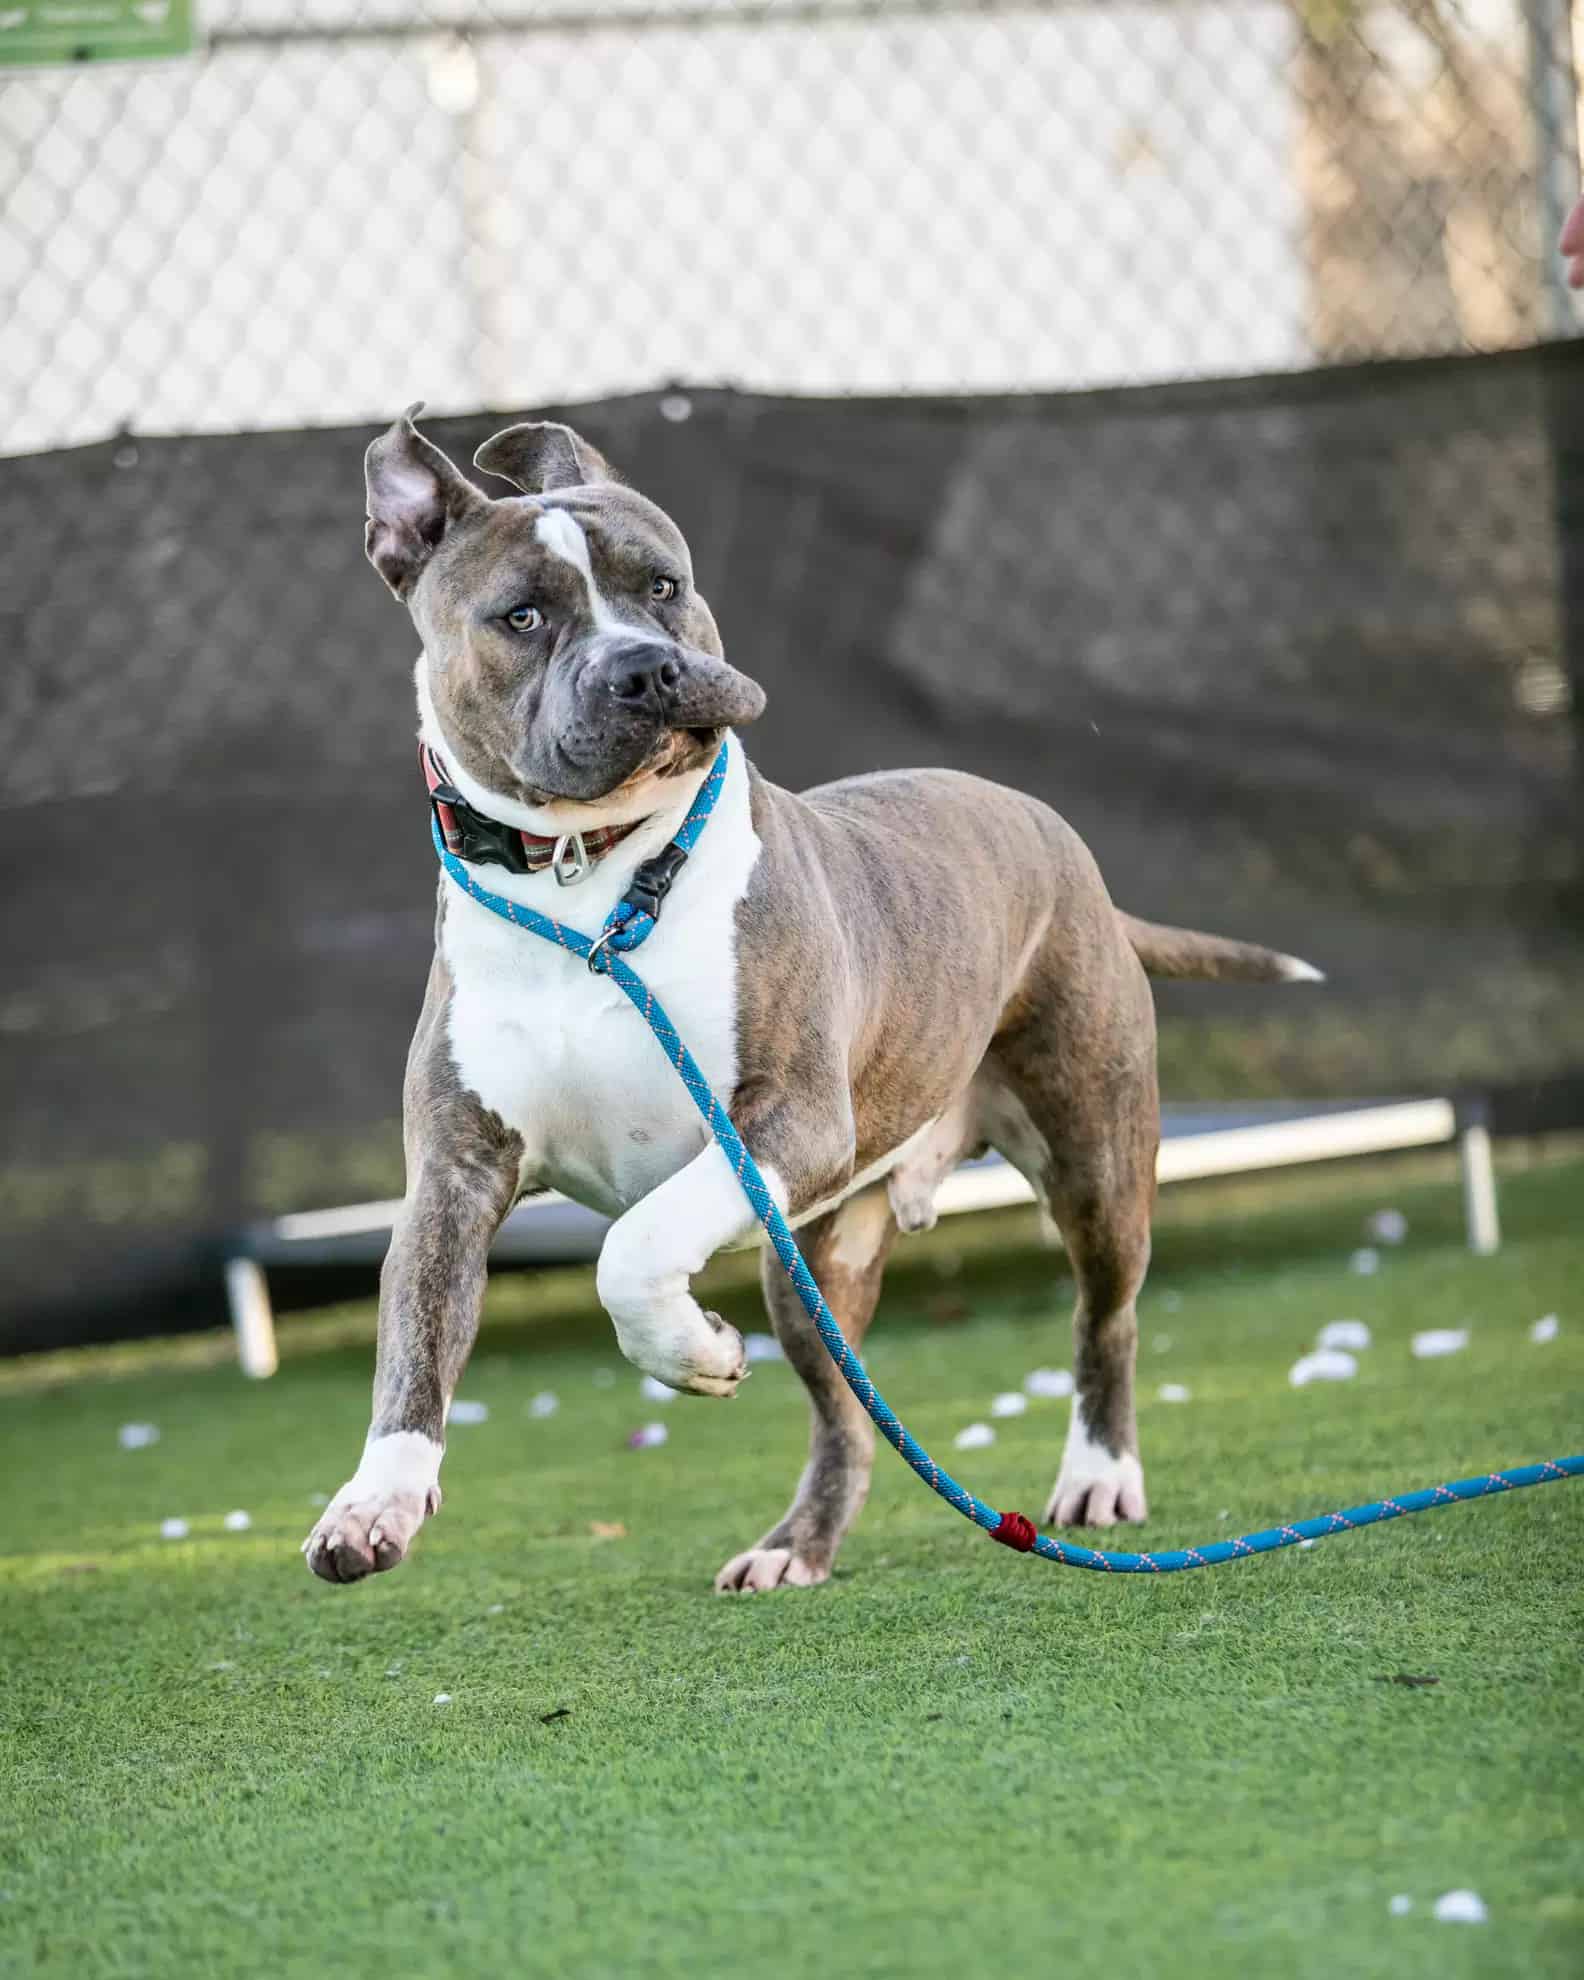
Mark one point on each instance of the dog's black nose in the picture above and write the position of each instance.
(642, 673)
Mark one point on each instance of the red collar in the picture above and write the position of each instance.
(484, 841)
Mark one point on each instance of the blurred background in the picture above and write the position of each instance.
(1172, 409)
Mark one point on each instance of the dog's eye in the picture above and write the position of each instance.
(662, 589)
(525, 618)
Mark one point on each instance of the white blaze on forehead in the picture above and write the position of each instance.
(562, 535)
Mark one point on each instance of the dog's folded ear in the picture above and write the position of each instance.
(541, 455)
(415, 493)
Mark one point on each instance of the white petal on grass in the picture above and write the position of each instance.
(1174, 1392)
(1011, 1403)
(654, 1391)
(1402, 1904)
(1324, 1365)
(468, 1412)
(974, 1438)
(645, 1438)
(546, 1403)
(1436, 1341)
(1304, 1544)
(442, 1698)
(237, 1522)
(1046, 1384)
(1365, 1261)
(173, 1529)
(137, 1436)
(762, 1347)
(1387, 1226)
(1461, 1908)
(1350, 1334)
(1545, 1329)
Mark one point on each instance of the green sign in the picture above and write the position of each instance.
(33, 32)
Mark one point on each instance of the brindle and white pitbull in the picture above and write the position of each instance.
(878, 976)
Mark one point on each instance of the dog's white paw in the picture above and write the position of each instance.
(1095, 1489)
(362, 1532)
(764, 1568)
(720, 1370)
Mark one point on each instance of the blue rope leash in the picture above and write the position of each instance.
(626, 927)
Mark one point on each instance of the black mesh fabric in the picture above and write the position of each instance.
(1300, 656)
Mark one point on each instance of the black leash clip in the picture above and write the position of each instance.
(645, 895)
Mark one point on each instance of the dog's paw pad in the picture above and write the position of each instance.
(764, 1568)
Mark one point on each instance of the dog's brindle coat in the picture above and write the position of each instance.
(880, 976)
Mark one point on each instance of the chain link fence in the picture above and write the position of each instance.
(1046, 452)
(339, 205)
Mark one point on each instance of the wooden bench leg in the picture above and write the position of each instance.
(247, 1294)
(1479, 1189)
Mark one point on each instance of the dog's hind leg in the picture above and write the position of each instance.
(1080, 1116)
(846, 1251)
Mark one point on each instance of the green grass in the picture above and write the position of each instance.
(947, 1762)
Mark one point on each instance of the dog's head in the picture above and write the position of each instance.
(567, 654)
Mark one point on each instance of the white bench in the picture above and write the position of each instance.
(1195, 1142)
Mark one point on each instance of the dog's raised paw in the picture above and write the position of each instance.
(762, 1569)
(727, 1368)
(360, 1534)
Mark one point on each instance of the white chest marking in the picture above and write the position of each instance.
(559, 1054)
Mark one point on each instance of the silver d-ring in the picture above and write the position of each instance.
(570, 862)
(594, 950)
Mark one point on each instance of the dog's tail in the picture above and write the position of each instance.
(1183, 952)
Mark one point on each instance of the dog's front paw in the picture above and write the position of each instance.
(363, 1532)
(764, 1568)
(721, 1369)
(1095, 1489)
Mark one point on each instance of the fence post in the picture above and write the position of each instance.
(1553, 114)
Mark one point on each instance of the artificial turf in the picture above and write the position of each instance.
(948, 1761)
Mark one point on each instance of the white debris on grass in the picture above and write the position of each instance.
(1461, 1908)
(1435, 1341)
(137, 1436)
(546, 1403)
(1047, 1384)
(1365, 1261)
(1402, 1904)
(974, 1438)
(1011, 1403)
(762, 1347)
(1174, 1392)
(646, 1437)
(1387, 1226)
(1350, 1334)
(1324, 1365)
(173, 1529)
(318, 1498)
(442, 1698)
(496, 1609)
(468, 1412)
(1545, 1329)
(237, 1522)
(1303, 1544)
(653, 1390)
